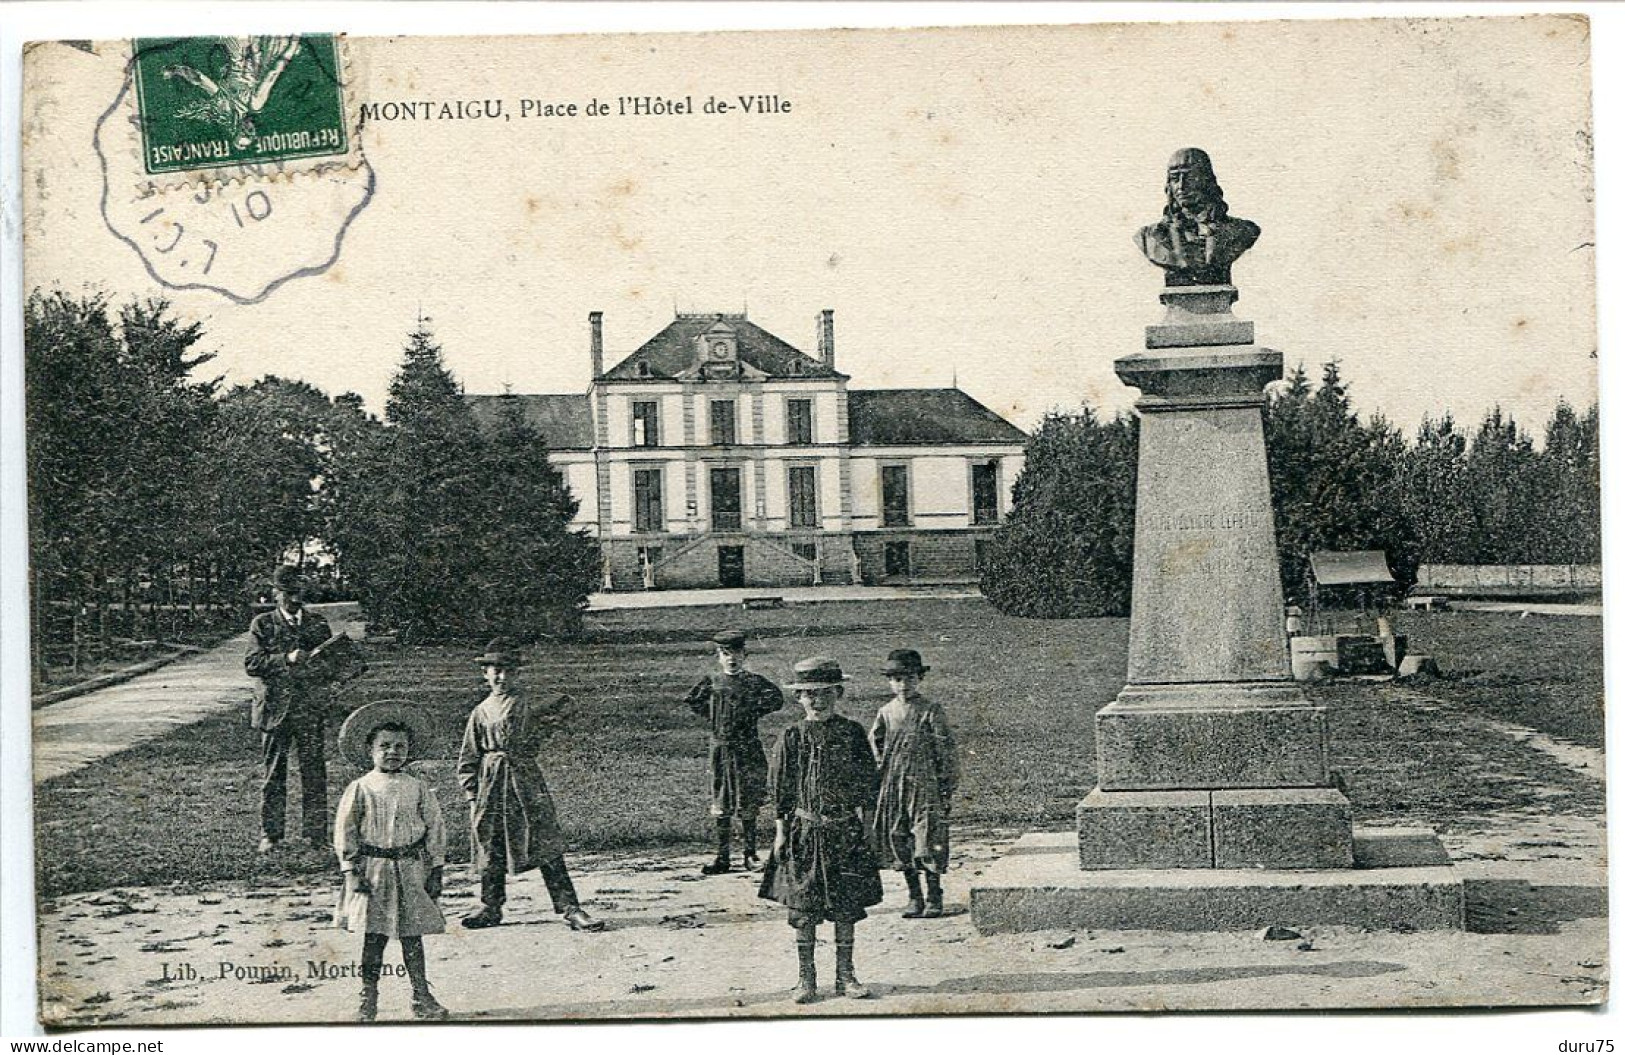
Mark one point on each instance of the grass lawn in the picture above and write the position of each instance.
(1544, 672)
(629, 772)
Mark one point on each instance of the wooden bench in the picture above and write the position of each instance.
(1427, 603)
(751, 604)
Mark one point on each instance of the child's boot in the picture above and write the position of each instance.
(372, 968)
(933, 896)
(806, 990)
(846, 978)
(426, 1007)
(747, 831)
(493, 892)
(916, 903)
(723, 860)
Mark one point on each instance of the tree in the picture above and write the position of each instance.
(448, 533)
(1436, 496)
(1503, 484)
(1335, 483)
(280, 449)
(1067, 549)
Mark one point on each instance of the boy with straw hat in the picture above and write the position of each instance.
(821, 784)
(513, 824)
(391, 843)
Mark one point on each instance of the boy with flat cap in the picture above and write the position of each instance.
(733, 701)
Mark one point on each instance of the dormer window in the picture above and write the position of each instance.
(795, 367)
(643, 370)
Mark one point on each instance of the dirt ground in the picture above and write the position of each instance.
(679, 945)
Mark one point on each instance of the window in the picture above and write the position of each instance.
(984, 492)
(807, 551)
(645, 424)
(798, 427)
(803, 496)
(894, 496)
(984, 548)
(648, 505)
(722, 423)
(897, 560)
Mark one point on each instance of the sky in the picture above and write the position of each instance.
(964, 200)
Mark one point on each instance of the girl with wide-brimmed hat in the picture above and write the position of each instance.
(514, 825)
(821, 784)
(391, 843)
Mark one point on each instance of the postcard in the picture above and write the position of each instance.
(807, 523)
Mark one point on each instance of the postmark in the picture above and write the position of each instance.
(229, 181)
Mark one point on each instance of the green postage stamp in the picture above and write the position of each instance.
(209, 102)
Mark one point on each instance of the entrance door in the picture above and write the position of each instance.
(725, 504)
(730, 566)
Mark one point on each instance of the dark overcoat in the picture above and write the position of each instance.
(822, 774)
(733, 705)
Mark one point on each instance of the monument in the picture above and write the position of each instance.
(1216, 806)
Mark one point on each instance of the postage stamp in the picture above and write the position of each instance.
(207, 102)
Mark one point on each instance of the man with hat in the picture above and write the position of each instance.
(291, 692)
(822, 785)
(733, 701)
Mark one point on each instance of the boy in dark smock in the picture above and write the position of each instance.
(514, 826)
(733, 701)
(822, 782)
(919, 768)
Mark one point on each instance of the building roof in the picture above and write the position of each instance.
(907, 417)
(672, 351)
(1346, 569)
(565, 422)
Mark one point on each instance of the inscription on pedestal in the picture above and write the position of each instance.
(1207, 597)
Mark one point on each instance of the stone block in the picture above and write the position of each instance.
(1197, 332)
(1288, 828)
(1146, 829)
(1039, 887)
(1399, 848)
(1187, 737)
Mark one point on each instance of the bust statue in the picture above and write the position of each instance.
(1197, 239)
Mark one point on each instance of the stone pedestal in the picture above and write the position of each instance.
(1210, 757)
(1216, 805)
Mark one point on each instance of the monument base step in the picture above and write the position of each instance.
(1211, 735)
(1396, 884)
(1239, 828)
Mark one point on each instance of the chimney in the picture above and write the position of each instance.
(826, 337)
(595, 319)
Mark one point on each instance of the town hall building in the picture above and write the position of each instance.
(718, 455)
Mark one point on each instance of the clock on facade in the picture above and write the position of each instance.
(719, 349)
